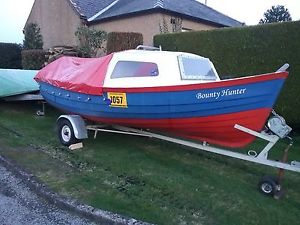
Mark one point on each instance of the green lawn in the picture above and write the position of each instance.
(147, 179)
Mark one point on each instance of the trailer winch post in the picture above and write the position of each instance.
(284, 160)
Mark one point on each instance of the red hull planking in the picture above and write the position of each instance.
(218, 129)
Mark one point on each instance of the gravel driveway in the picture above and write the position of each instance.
(19, 205)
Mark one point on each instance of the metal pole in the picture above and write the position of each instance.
(284, 160)
(279, 192)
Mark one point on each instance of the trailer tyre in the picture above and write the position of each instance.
(268, 186)
(66, 132)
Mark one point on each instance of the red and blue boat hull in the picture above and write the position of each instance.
(203, 112)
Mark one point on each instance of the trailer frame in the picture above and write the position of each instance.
(73, 127)
(260, 158)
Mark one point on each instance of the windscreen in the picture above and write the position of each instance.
(196, 68)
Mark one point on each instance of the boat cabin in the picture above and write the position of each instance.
(142, 68)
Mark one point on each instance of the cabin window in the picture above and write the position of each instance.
(134, 69)
(196, 68)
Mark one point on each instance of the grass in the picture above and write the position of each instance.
(147, 179)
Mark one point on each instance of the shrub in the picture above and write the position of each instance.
(90, 40)
(33, 38)
(249, 50)
(33, 59)
(10, 56)
(119, 41)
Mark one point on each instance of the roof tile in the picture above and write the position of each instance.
(185, 8)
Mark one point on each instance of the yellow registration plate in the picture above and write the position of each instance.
(117, 99)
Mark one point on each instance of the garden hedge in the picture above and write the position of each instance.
(249, 50)
(33, 59)
(119, 41)
(10, 56)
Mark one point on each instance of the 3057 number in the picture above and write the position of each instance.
(117, 99)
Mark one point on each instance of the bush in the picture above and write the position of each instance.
(246, 51)
(120, 41)
(10, 56)
(90, 40)
(33, 38)
(33, 59)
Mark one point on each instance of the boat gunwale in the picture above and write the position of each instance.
(207, 85)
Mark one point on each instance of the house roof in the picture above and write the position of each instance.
(96, 11)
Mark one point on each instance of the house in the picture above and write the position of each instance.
(59, 19)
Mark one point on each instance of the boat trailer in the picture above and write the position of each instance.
(72, 129)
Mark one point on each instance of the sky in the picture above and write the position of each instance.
(14, 13)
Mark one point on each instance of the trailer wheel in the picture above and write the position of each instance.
(268, 186)
(66, 132)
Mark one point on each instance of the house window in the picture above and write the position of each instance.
(196, 68)
(134, 69)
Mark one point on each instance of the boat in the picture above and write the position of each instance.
(15, 82)
(177, 93)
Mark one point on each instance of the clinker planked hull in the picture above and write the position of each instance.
(202, 112)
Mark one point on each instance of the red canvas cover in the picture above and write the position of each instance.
(84, 75)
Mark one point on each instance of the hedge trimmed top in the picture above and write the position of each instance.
(95, 11)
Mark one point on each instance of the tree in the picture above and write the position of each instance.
(164, 27)
(175, 23)
(32, 37)
(90, 40)
(276, 14)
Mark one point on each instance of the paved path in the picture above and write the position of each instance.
(20, 206)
